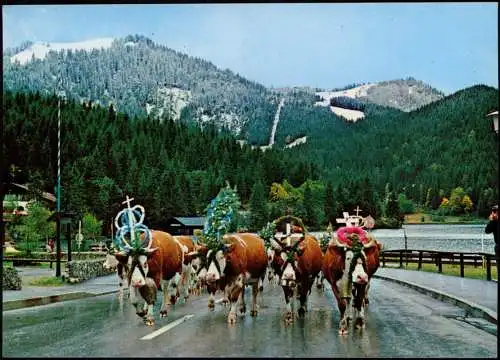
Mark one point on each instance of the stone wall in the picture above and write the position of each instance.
(81, 270)
(11, 279)
(84, 255)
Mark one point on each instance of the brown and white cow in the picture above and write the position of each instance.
(348, 266)
(297, 260)
(239, 260)
(182, 283)
(151, 268)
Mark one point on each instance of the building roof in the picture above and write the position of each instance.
(45, 195)
(191, 221)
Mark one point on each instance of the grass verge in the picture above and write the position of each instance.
(46, 281)
(454, 270)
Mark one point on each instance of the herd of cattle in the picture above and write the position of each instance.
(180, 267)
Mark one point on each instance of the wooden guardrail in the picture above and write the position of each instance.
(439, 258)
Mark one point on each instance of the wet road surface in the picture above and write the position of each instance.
(400, 323)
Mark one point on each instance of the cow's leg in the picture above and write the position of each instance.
(173, 288)
(166, 299)
(135, 300)
(255, 293)
(288, 299)
(233, 293)
(359, 305)
(120, 288)
(211, 301)
(243, 306)
(186, 286)
(343, 305)
(366, 295)
(303, 290)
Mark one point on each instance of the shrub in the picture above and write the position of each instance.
(11, 279)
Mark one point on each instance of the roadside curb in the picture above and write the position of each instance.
(46, 300)
(474, 310)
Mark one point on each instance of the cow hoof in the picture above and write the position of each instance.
(163, 313)
(141, 313)
(243, 309)
(302, 312)
(261, 288)
(343, 331)
(211, 306)
(360, 323)
(288, 317)
(225, 302)
(253, 313)
(149, 321)
(231, 318)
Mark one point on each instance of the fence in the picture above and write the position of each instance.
(439, 258)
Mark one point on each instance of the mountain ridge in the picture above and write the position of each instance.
(140, 77)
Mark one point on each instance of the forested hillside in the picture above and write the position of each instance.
(141, 77)
(424, 154)
(173, 169)
(445, 150)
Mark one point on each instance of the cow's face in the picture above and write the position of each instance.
(216, 260)
(198, 259)
(359, 274)
(139, 268)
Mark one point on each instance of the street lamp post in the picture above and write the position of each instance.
(494, 117)
(58, 208)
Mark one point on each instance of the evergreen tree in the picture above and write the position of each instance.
(329, 206)
(258, 207)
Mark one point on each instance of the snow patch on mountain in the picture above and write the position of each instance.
(40, 49)
(353, 93)
(350, 115)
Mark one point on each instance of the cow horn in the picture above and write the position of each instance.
(335, 241)
(370, 243)
(275, 244)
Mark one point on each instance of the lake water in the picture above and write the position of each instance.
(461, 238)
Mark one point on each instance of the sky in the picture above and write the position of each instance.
(450, 46)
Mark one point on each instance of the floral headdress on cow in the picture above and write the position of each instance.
(132, 236)
(220, 213)
(267, 233)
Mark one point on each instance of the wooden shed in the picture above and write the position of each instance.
(184, 225)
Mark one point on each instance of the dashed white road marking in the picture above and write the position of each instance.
(167, 327)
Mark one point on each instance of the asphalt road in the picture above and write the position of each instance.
(400, 323)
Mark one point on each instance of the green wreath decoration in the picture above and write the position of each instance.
(294, 220)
